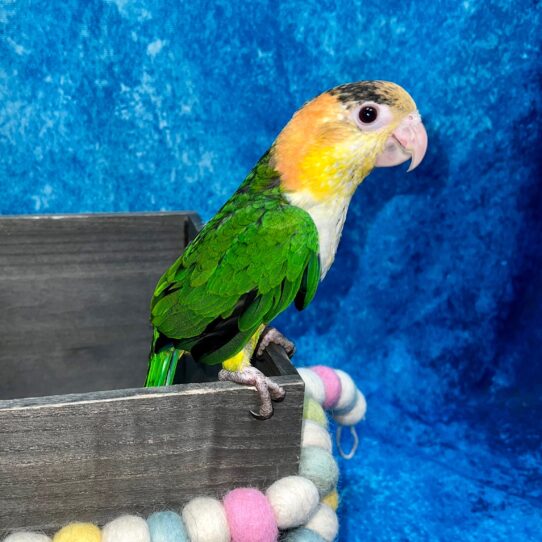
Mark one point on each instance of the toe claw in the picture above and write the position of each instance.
(261, 416)
(276, 392)
(267, 389)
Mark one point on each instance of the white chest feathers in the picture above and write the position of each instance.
(329, 217)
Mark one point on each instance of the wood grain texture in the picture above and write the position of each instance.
(77, 292)
(90, 457)
(74, 297)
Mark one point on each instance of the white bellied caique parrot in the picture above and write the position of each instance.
(275, 239)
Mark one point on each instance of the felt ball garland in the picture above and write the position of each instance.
(332, 385)
(320, 468)
(24, 536)
(167, 526)
(302, 508)
(347, 397)
(341, 396)
(205, 520)
(332, 500)
(303, 534)
(315, 435)
(250, 516)
(324, 522)
(126, 529)
(78, 532)
(313, 411)
(293, 500)
(313, 384)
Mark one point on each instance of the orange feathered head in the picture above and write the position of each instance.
(334, 141)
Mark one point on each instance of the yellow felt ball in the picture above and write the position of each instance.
(314, 412)
(78, 532)
(332, 500)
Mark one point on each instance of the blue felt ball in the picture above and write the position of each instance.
(319, 466)
(167, 527)
(303, 535)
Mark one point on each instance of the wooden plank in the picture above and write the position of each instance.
(75, 292)
(93, 456)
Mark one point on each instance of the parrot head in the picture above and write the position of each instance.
(335, 140)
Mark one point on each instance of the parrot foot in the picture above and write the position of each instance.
(267, 389)
(273, 335)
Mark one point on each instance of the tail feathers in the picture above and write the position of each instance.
(162, 367)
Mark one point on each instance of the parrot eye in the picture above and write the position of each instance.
(371, 117)
(368, 114)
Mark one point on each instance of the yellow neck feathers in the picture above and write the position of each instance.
(321, 153)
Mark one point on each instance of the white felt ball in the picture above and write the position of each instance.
(205, 520)
(313, 385)
(27, 537)
(352, 417)
(126, 529)
(324, 522)
(315, 435)
(348, 391)
(293, 500)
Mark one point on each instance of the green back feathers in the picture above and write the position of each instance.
(253, 259)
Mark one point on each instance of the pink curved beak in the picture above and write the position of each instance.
(408, 141)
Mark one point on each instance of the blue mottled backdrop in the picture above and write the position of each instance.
(435, 301)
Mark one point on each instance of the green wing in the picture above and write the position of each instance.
(253, 259)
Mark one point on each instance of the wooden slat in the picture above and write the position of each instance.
(74, 298)
(90, 457)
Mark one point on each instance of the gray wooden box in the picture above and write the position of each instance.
(80, 439)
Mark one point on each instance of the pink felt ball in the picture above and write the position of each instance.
(250, 516)
(332, 384)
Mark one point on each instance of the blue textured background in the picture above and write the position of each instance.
(434, 303)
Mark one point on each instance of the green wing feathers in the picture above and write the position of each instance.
(251, 261)
(162, 364)
(309, 283)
